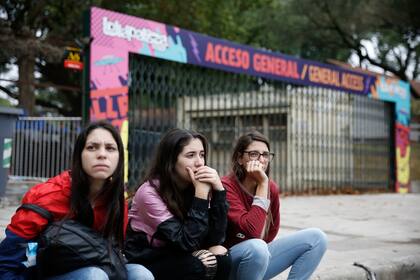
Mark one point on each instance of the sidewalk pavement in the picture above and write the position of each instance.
(379, 231)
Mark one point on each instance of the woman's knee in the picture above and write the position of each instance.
(91, 273)
(317, 238)
(257, 250)
(88, 273)
(137, 271)
(218, 250)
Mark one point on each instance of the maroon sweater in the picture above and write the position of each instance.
(246, 221)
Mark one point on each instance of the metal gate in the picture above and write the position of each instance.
(323, 140)
(42, 146)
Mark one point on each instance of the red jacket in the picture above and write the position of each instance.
(53, 195)
(26, 225)
(246, 221)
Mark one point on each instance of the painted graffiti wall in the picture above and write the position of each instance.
(398, 92)
(115, 35)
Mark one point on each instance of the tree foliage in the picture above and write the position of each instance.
(33, 34)
(322, 29)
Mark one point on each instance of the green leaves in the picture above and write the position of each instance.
(313, 29)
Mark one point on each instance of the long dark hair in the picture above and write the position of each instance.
(163, 169)
(112, 192)
(241, 145)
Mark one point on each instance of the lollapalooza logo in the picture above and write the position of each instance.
(127, 32)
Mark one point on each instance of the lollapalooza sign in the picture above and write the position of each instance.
(168, 42)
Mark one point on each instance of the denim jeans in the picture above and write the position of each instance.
(255, 259)
(134, 272)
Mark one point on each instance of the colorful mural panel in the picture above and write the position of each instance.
(398, 92)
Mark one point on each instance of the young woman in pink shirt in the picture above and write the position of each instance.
(178, 216)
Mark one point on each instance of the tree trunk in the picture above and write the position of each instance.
(26, 98)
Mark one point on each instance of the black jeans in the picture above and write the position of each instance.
(166, 263)
(185, 266)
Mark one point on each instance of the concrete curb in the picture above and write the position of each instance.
(15, 191)
(407, 268)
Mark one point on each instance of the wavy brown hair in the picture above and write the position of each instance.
(163, 169)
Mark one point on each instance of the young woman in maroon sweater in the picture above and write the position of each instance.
(254, 219)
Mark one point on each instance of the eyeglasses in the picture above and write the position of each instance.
(255, 155)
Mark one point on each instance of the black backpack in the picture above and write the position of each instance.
(67, 245)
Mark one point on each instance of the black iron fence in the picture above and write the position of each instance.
(324, 140)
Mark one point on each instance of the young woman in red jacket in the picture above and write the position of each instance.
(92, 193)
(254, 218)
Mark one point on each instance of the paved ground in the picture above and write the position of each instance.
(5, 214)
(380, 231)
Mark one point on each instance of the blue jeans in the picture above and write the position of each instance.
(255, 259)
(134, 272)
